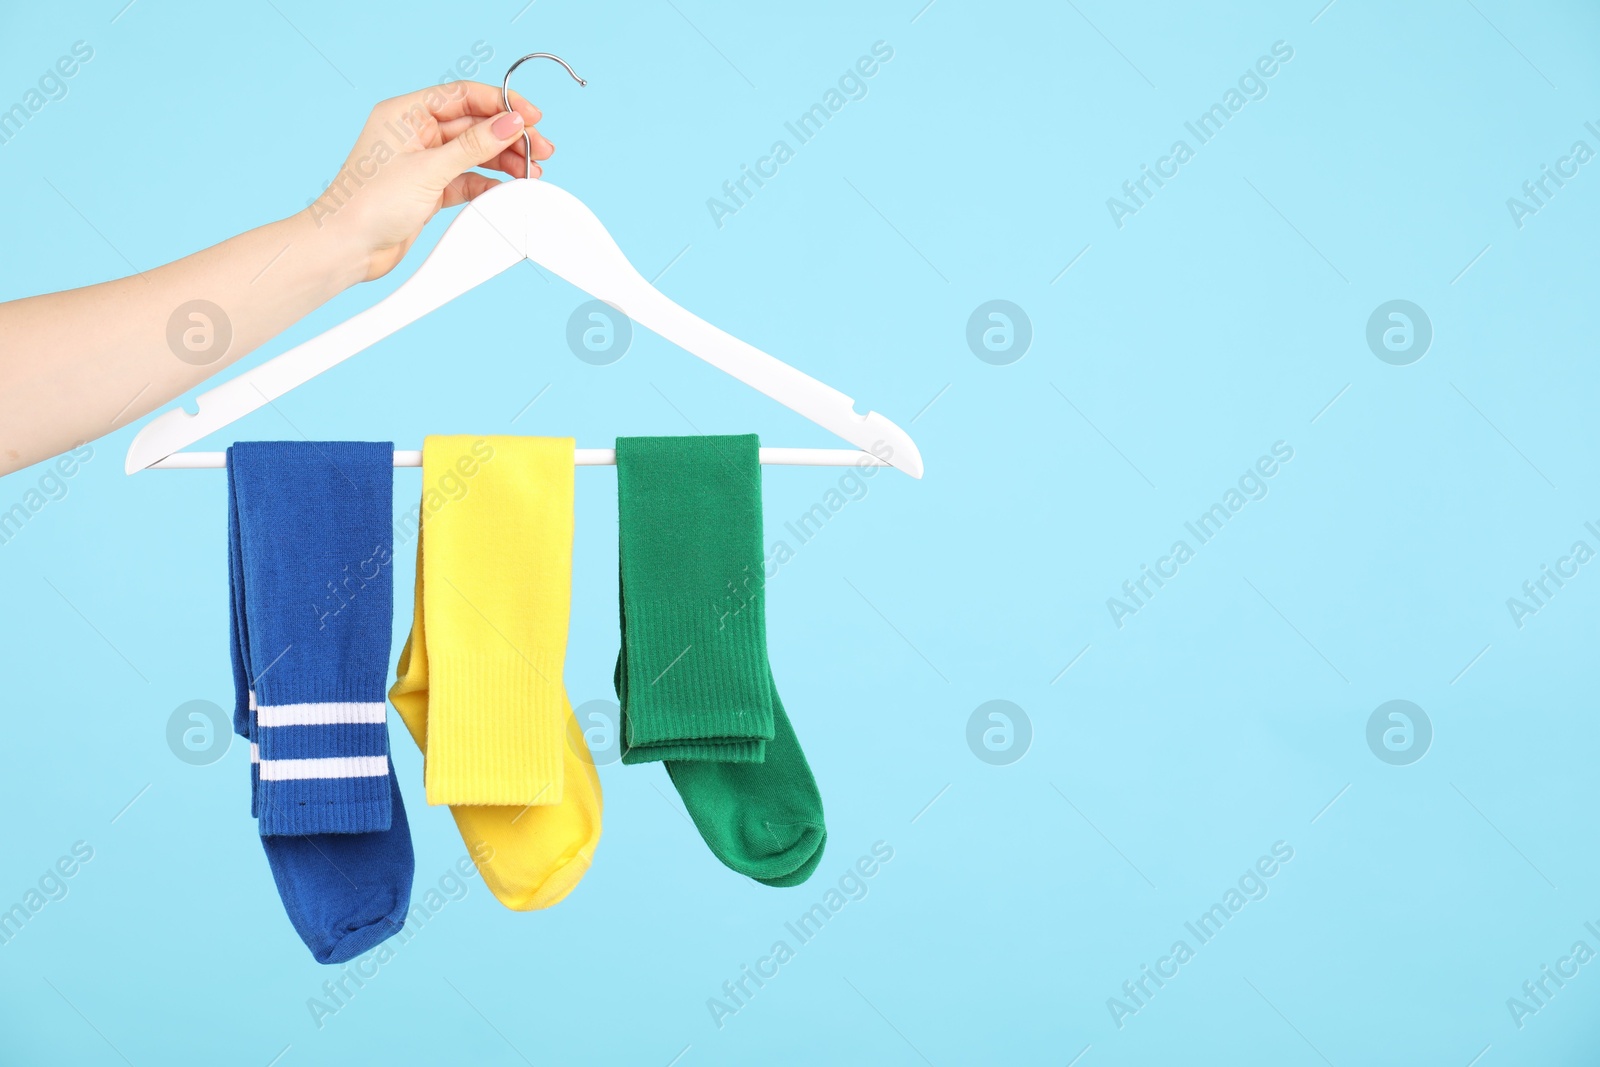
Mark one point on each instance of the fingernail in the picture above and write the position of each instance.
(506, 125)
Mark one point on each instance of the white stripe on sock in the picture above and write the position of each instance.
(281, 770)
(255, 752)
(328, 714)
(252, 700)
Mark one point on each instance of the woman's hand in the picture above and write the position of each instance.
(129, 349)
(414, 156)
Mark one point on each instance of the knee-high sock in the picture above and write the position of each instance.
(493, 591)
(693, 677)
(312, 596)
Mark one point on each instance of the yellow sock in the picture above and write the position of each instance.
(497, 512)
(480, 675)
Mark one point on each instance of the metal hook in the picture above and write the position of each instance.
(505, 95)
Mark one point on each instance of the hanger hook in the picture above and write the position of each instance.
(505, 95)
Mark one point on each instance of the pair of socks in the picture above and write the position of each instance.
(480, 678)
(312, 603)
(693, 677)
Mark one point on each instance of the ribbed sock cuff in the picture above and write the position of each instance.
(700, 686)
(358, 805)
(321, 754)
(495, 730)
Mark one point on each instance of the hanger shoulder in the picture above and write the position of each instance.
(789, 386)
(570, 241)
(478, 245)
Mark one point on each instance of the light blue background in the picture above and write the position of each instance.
(1228, 714)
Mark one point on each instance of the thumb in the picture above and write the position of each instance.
(473, 147)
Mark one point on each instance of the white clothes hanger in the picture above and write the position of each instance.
(520, 219)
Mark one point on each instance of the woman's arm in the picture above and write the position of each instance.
(78, 364)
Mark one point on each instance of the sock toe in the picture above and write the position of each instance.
(774, 852)
(806, 868)
(362, 932)
(553, 889)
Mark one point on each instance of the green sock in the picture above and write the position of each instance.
(693, 678)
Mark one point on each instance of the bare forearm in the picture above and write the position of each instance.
(78, 364)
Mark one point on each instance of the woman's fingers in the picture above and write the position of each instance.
(468, 186)
(513, 161)
(473, 147)
(453, 128)
(450, 128)
(468, 99)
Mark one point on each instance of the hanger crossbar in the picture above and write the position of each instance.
(583, 457)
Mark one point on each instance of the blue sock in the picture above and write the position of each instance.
(310, 528)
